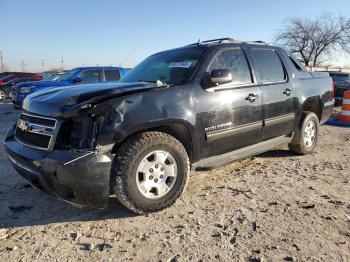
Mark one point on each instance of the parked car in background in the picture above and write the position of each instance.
(341, 84)
(51, 75)
(198, 106)
(7, 83)
(80, 75)
(12, 75)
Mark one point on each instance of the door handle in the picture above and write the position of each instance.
(287, 92)
(251, 97)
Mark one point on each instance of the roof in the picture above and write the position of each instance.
(97, 67)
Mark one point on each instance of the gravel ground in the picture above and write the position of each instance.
(273, 207)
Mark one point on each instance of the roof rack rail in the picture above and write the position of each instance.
(260, 42)
(217, 40)
(229, 40)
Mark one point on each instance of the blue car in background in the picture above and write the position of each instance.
(80, 75)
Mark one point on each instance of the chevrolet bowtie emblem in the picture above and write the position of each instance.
(24, 126)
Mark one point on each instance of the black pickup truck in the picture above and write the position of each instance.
(194, 107)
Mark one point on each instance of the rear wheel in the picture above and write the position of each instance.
(306, 136)
(150, 172)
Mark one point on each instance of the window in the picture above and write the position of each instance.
(235, 61)
(112, 75)
(296, 64)
(90, 76)
(269, 65)
(174, 67)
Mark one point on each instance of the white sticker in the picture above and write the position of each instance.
(180, 64)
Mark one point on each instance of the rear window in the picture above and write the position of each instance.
(269, 65)
(112, 75)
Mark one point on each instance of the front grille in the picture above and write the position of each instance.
(40, 121)
(34, 139)
(35, 131)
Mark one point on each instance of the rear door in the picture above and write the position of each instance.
(231, 114)
(278, 93)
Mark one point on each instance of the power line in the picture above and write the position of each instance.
(126, 57)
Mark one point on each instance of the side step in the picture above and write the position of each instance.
(220, 160)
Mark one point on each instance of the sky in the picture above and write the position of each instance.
(38, 34)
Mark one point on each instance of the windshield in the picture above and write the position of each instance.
(67, 75)
(173, 67)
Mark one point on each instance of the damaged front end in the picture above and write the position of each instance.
(63, 141)
(69, 158)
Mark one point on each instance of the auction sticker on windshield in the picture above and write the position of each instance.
(180, 64)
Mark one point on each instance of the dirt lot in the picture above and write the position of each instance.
(274, 207)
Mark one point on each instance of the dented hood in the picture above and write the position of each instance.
(56, 102)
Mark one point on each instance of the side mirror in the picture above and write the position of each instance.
(77, 80)
(217, 77)
(220, 77)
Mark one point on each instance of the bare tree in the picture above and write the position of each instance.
(312, 40)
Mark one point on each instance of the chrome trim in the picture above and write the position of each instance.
(31, 146)
(51, 134)
(233, 130)
(80, 157)
(279, 119)
(35, 116)
(229, 86)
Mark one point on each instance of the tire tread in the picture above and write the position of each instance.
(125, 158)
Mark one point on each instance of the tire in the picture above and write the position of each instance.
(133, 156)
(3, 95)
(299, 142)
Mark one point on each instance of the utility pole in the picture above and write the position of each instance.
(23, 65)
(43, 65)
(2, 62)
(62, 62)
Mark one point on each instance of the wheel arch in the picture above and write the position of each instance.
(312, 104)
(178, 129)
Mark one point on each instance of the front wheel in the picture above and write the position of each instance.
(305, 137)
(150, 172)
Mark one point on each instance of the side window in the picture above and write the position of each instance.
(269, 65)
(112, 75)
(90, 76)
(235, 61)
(296, 64)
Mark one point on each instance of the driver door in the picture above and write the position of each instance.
(231, 114)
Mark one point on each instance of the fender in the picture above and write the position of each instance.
(313, 104)
(181, 129)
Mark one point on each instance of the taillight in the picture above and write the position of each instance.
(1, 82)
(333, 91)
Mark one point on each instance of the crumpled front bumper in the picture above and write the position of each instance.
(82, 178)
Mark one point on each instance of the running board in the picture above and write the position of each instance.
(220, 160)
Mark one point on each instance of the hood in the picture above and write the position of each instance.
(57, 102)
(43, 84)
